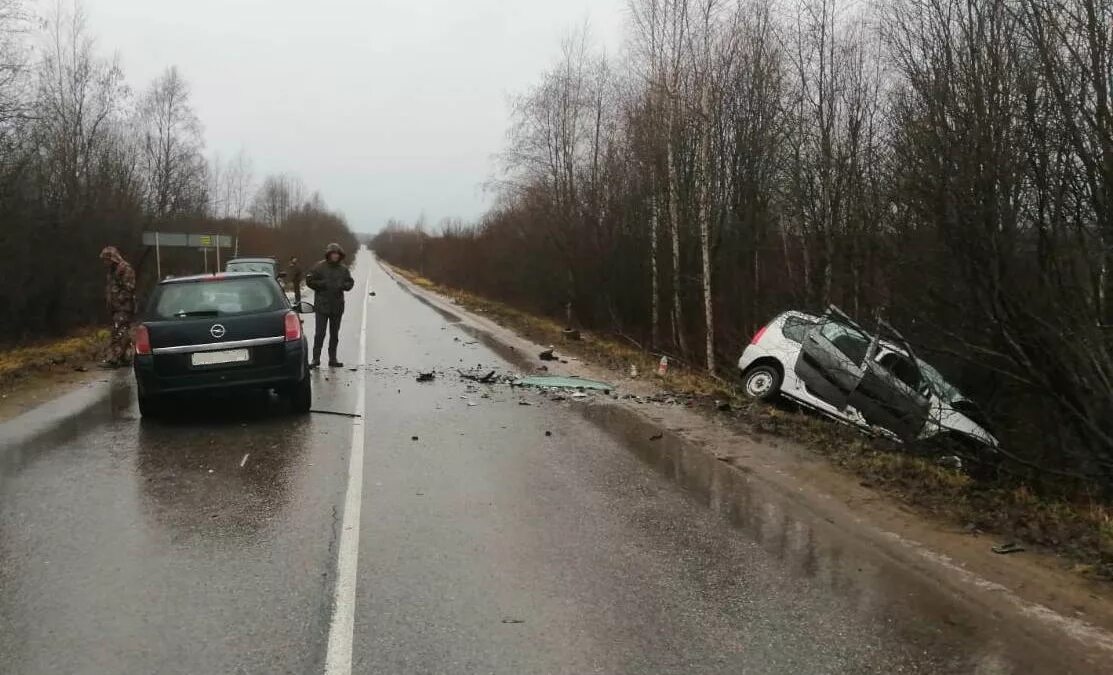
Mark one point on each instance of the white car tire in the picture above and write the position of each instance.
(762, 382)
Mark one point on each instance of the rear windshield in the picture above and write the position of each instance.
(260, 266)
(225, 297)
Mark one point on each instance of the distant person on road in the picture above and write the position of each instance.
(120, 298)
(329, 279)
(295, 276)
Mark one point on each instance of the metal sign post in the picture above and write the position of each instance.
(158, 258)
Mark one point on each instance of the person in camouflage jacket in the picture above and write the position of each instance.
(120, 297)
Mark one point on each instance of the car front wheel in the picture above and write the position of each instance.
(762, 382)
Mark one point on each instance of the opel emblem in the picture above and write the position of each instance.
(217, 331)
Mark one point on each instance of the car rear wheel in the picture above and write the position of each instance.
(301, 396)
(150, 405)
(762, 382)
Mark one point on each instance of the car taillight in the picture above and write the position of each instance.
(142, 340)
(757, 336)
(293, 327)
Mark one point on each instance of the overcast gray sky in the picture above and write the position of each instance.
(390, 107)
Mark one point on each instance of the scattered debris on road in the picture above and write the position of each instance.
(244, 460)
(571, 334)
(656, 437)
(426, 377)
(547, 355)
(559, 382)
(548, 433)
(513, 621)
(335, 412)
(486, 378)
(1007, 548)
(722, 406)
(413, 438)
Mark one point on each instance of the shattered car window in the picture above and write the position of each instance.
(903, 368)
(796, 327)
(943, 389)
(847, 340)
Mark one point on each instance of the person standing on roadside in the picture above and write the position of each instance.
(120, 298)
(329, 279)
(295, 276)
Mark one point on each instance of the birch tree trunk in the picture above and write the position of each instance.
(674, 224)
(655, 310)
(705, 224)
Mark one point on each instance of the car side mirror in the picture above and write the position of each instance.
(304, 307)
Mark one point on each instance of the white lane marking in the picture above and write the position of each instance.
(244, 460)
(338, 658)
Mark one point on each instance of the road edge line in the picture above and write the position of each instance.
(338, 657)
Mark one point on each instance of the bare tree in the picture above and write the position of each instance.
(661, 38)
(14, 25)
(172, 146)
(216, 186)
(239, 185)
(78, 99)
(277, 197)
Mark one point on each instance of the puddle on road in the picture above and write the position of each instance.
(61, 420)
(808, 545)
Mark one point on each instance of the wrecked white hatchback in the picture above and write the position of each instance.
(832, 365)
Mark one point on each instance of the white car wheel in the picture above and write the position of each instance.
(762, 382)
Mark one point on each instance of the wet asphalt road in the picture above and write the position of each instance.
(207, 543)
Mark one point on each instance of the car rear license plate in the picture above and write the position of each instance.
(224, 356)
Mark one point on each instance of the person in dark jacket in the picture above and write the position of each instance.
(295, 276)
(120, 297)
(329, 279)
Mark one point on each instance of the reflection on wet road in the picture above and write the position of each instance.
(495, 537)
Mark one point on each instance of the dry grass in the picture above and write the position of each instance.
(1074, 524)
(1078, 526)
(23, 360)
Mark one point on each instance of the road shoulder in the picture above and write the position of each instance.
(1032, 591)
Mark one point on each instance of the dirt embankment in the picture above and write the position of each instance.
(33, 373)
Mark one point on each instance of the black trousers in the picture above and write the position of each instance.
(332, 323)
